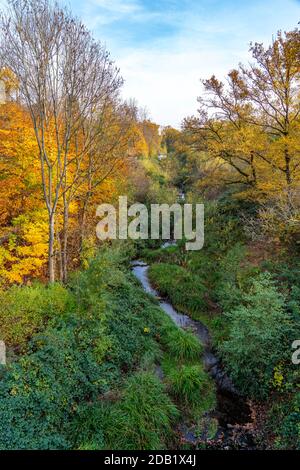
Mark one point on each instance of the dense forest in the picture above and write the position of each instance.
(94, 359)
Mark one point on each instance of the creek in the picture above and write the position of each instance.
(232, 411)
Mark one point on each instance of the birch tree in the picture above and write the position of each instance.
(65, 77)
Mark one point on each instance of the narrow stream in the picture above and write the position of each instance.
(232, 412)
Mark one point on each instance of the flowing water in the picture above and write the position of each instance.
(232, 412)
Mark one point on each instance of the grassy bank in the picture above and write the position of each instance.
(252, 311)
(88, 362)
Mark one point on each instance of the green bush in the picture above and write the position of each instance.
(283, 422)
(39, 394)
(290, 425)
(204, 266)
(223, 227)
(25, 310)
(259, 338)
(88, 427)
(231, 278)
(171, 254)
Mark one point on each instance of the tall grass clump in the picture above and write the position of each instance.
(143, 418)
(182, 345)
(187, 382)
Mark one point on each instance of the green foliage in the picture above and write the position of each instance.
(182, 345)
(228, 291)
(131, 321)
(142, 419)
(288, 273)
(202, 265)
(88, 427)
(25, 310)
(233, 277)
(39, 394)
(163, 255)
(223, 228)
(283, 422)
(290, 428)
(259, 332)
(185, 291)
(191, 386)
(82, 354)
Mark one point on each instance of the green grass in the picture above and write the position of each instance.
(142, 418)
(162, 255)
(185, 290)
(190, 385)
(187, 382)
(182, 345)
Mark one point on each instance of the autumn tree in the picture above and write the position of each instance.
(23, 218)
(64, 77)
(116, 141)
(152, 136)
(251, 122)
(271, 85)
(221, 130)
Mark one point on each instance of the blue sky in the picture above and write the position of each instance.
(164, 47)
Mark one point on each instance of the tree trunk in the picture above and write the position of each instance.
(83, 218)
(253, 170)
(287, 167)
(289, 196)
(65, 241)
(60, 257)
(51, 248)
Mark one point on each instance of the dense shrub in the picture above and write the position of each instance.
(289, 430)
(39, 394)
(234, 277)
(25, 310)
(223, 228)
(204, 266)
(283, 422)
(171, 254)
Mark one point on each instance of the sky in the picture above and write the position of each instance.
(164, 47)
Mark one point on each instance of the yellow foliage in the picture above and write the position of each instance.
(278, 377)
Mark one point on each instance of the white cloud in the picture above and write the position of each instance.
(119, 6)
(166, 76)
(168, 83)
(202, 37)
